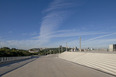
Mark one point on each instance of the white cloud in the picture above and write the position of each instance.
(56, 13)
(30, 34)
(100, 43)
(68, 33)
(60, 4)
(52, 21)
(97, 42)
(27, 44)
(101, 36)
(75, 33)
(22, 44)
(54, 18)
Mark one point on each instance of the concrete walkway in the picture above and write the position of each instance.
(52, 66)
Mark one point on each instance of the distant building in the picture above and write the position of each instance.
(34, 50)
(112, 47)
(74, 49)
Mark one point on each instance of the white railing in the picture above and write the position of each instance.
(6, 59)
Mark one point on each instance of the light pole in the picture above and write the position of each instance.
(80, 43)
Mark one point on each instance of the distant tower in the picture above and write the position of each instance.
(80, 43)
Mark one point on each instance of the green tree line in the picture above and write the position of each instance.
(52, 50)
(7, 52)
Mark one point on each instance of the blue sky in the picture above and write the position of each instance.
(49, 23)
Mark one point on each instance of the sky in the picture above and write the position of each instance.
(29, 24)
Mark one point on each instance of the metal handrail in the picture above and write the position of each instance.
(6, 59)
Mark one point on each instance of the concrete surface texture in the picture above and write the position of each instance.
(52, 66)
(102, 61)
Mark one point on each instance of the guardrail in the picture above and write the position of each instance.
(6, 59)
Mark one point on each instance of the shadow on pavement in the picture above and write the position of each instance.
(13, 62)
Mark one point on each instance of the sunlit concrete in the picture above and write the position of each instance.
(52, 66)
(102, 61)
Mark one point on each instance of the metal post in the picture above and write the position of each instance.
(80, 43)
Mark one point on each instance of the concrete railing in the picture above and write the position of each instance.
(101, 61)
(6, 59)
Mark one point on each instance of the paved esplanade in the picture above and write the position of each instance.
(51, 66)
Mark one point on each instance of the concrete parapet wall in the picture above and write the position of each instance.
(101, 61)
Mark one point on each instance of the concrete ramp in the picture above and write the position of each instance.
(102, 61)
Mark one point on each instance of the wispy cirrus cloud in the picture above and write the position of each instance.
(101, 36)
(99, 43)
(96, 42)
(75, 33)
(60, 4)
(69, 33)
(33, 43)
(21, 44)
(53, 19)
(30, 34)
